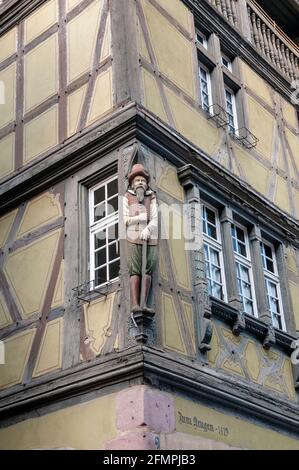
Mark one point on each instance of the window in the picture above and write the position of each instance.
(104, 246)
(243, 268)
(213, 253)
(205, 88)
(227, 62)
(272, 285)
(230, 101)
(201, 38)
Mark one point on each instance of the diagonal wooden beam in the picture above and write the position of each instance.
(95, 66)
(44, 312)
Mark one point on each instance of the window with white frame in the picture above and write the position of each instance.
(226, 62)
(205, 87)
(103, 230)
(202, 39)
(243, 268)
(231, 109)
(213, 253)
(272, 285)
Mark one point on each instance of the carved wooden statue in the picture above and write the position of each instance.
(141, 222)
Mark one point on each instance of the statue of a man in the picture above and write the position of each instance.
(141, 222)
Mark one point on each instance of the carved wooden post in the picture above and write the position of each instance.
(202, 303)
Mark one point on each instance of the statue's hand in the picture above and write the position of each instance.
(145, 234)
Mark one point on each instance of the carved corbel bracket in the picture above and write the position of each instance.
(142, 321)
(269, 338)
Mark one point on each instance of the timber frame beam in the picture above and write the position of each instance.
(151, 366)
(130, 124)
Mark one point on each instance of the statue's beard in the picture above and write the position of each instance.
(140, 193)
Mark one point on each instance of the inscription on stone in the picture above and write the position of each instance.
(204, 426)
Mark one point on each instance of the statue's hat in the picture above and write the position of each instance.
(138, 170)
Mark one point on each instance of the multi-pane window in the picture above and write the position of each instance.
(201, 38)
(226, 62)
(230, 101)
(205, 88)
(104, 246)
(213, 253)
(272, 285)
(243, 268)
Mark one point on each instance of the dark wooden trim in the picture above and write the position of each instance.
(96, 59)
(62, 46)
(41, 38)
(136, 122)
(44, 312)
(41, 108)
(171, 19)
(13, 11)
(78, 9)
(36, 234)
(55, 313)
(7, 129)
(9, 298)
(19, 144)
(7, 62)
(19, 326)
(169, 372)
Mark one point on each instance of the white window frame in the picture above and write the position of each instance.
(247, 263)
(274, 277)
(216, 244)
(204, 38)
(234, 115)
(229, 65)
(97, 226)
(209, 86)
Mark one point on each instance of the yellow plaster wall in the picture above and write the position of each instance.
(170, 184)
(179, 12)
(8, 82)
(230, 429)
(40, 20)
(256, 84)
(175, 62)
(75, 104)
(40, 211)
(256, 174)
(293, 141)
(5, 225)
(70, 4)
(281, 198)
(261, 124)
(41, 73)
(172, 334)
(84, 426)
(106, 45)
(102, 100)
(41, 134)
(289, 113)
(7, 151)
(28, 271)
(17, 350)
(50, 354)
(81, 36)
(152, 96)
(191, 124)
(98, 316)
(8, 44)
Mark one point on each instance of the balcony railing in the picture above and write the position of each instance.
(265, 35)
(272, 42)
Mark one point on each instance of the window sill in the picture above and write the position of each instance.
(253, 325)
